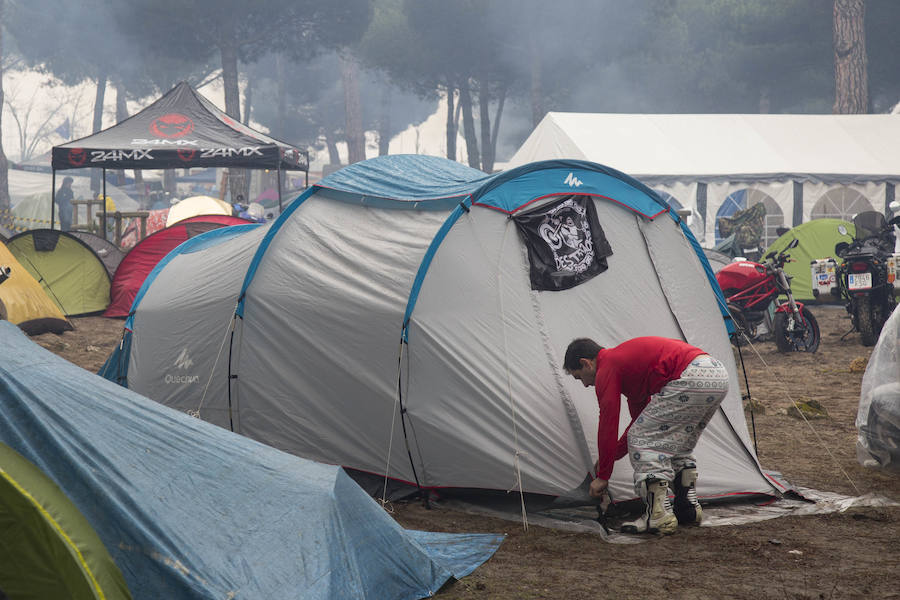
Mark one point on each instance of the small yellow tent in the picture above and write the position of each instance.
(24, 302)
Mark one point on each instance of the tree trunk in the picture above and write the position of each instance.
(169, 184)
(465, 101)
(334, 156)
(384, 122)
(99, 98)
(5, 216)
(281, 115)
(237, 180)
(451, 123)
(484, 118)
(764, 102)
(121, 115)
(496, 129)
(248, 101)
(356, 139)
(851, 80)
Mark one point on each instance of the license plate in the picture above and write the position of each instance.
(859, 281)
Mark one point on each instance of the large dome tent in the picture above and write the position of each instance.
(141, 259)
(393, 320)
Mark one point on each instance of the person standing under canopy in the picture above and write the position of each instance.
(64, 197)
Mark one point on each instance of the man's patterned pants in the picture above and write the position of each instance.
(662, 438)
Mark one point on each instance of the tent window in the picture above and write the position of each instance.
(566, 245)
(840, 203)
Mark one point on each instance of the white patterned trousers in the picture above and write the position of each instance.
(662, 438)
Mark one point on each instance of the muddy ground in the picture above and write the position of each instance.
(855, 554)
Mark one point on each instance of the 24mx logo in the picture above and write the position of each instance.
(117, 155)
(229, 152)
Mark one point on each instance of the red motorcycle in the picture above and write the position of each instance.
(750, 290)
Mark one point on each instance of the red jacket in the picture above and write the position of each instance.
(638, 369)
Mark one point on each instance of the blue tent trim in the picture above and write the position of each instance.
(115, 368)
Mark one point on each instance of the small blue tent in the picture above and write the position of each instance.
(189, 510)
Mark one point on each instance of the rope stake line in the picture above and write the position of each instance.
(809, 424)
(512, 404)
(228, 329)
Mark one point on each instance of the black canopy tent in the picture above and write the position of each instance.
(182, 129)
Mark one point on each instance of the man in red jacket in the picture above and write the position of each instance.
(673, 389)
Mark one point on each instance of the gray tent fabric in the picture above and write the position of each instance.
(189, 510)
(390, 327)
(717, 259)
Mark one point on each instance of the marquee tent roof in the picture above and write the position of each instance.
(181, 129)
(657, 147)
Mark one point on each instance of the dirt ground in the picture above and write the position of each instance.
(855, 554)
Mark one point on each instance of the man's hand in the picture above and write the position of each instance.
(598, 488)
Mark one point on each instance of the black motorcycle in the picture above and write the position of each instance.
(863, 278)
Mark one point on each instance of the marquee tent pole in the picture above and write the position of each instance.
(103, 199)
(53, 197)
(279, 189)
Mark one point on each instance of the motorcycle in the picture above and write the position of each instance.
(864, 282)
(750, 290)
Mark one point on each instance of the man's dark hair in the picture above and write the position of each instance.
(578, 349)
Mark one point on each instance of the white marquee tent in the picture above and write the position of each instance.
(800, 166)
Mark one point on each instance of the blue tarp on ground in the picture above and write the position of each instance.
(190, 510)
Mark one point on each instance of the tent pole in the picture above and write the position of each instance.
(103, 199)
(279, 190)
(52, 197)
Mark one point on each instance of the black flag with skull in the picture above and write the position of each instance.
(566, 245)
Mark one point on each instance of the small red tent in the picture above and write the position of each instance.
(141, 259)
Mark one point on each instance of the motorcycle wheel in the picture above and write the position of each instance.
(868, 320)
(805, 336)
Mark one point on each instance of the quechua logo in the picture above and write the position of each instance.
(77, 157)
(171, 126)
